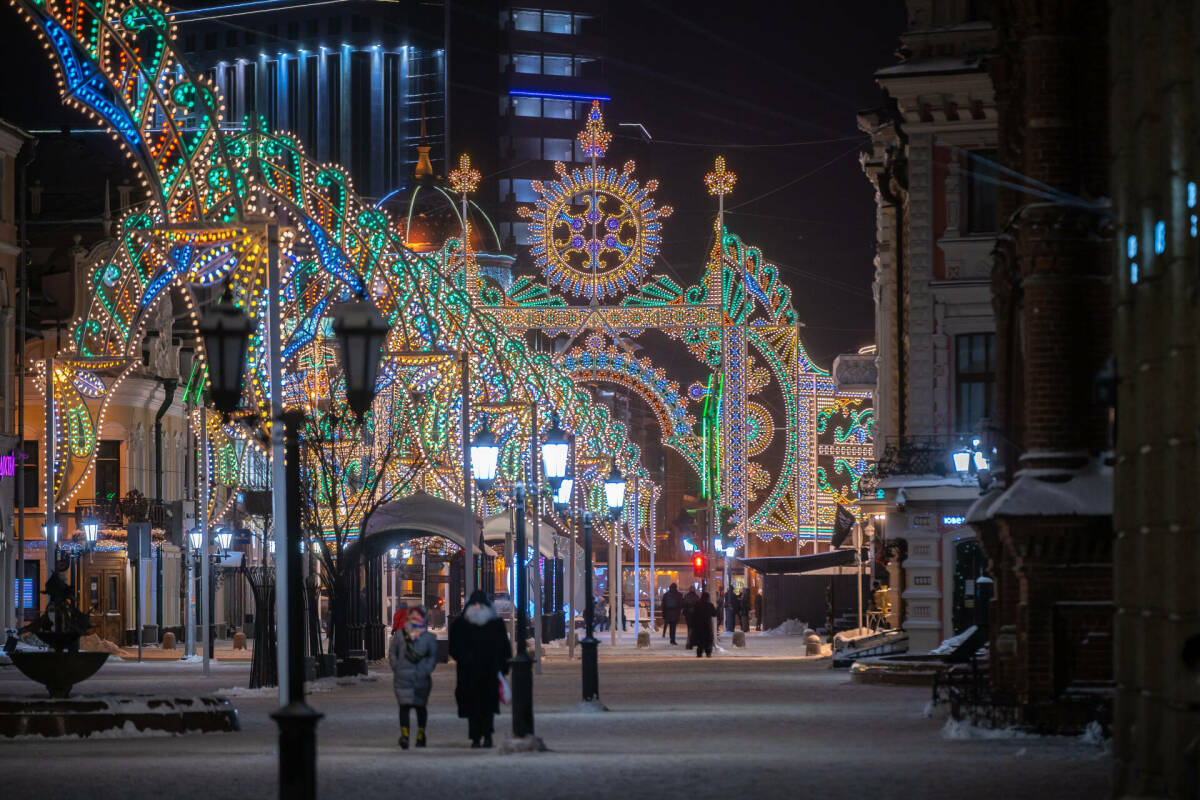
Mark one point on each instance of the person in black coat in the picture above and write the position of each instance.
(672, 605)
(480, 648)
(689, 603)
(700, 627)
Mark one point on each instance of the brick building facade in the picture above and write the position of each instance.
(1155, 172)
(1046, 522)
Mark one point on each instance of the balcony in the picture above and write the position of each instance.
(114, 512)
(929, 456)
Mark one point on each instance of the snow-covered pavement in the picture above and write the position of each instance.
(752, 723)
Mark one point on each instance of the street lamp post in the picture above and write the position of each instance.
(589, 646)
(522, 667)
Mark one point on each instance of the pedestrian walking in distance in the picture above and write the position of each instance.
(480, 648)
(731, 609)
(700, 626)
(689, 605)
(672, 605)
(413, 657)
(758, 608)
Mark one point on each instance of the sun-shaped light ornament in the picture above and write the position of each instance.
(595, 231)
(465, 179)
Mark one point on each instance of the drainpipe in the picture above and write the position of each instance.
(169, 385)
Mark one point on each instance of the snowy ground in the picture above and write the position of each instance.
(754, 723)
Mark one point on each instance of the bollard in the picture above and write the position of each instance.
(643, 639)
(168, 641)
(739, 639)
(239, 641)
(812, 645)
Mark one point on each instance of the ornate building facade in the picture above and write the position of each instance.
(931, 152)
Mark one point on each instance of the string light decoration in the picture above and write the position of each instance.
(117, 61)
(720, 181)
(595, 233)
(465, 179)
(594, 138)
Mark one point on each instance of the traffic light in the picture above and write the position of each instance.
(698, 563)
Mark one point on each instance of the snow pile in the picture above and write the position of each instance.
(1093, 735)
(964, 730)
(126, 731)
(193, 659)
(948, 646)
(242, 691)
(792, 627)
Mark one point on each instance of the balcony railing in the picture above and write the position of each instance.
(921, 455)
(120, 511)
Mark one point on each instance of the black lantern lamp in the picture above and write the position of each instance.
(614, 491)
(91, 531)
(360, 332)
(485, 455)
(225, 330)
(562, 495)
(556, 451)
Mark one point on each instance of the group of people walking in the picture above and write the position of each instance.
(481, 651)
(698, 612)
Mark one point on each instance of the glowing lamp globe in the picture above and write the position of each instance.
(225, 538)
(360, 332)
(562, 497)
(614, 491)
(225, 330)
(196, 539)
(555, 452)
(962, 461)
(91, 530)
(485, 455)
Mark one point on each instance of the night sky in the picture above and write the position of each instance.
(708, 78)
(711, 73)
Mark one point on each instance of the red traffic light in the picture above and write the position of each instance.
(698, 562)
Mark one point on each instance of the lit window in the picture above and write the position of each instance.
(1160, 237)
(557, 109)
(1191, 194)
(527, 63)
(556, 65)
(520, 232)
(1131, 246)
(523, 189)
(553, 22)
(527, 106)
(558, 149)
(527, 20)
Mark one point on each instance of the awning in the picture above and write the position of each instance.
(794, 565)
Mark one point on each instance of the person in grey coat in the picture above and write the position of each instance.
(413, 656)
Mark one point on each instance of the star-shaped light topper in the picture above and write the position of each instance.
(720, 181)
(593, 137)
(464, 179)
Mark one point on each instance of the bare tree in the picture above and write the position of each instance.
(348, 470)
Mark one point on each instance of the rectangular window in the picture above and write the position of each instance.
(189, 43)
(505, 186)
(31, 481)
(527, 63)
(210, 41)
(108, 471)
(558, 149)
(557, 109)
(554, 22)
(527, 106)
(556, 65)
(94, 593)
(527, 20)
(974, 378)
(523, 189)
(231, 38)
(112, 594)
(527, 147)
(520, 232)
(981, 192)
